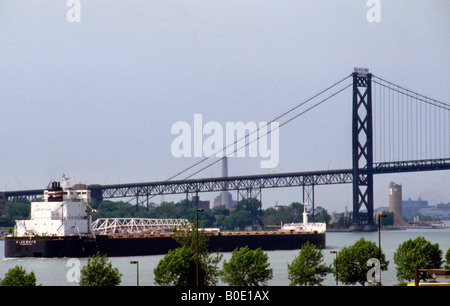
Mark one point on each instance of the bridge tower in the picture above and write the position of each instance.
(362, 151)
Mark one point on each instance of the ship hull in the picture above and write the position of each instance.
(75, 246)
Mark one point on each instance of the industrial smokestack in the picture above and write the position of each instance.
(225, 175)
(224, 167)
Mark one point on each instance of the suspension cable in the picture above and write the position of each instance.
(407, 92)
(255, 131)
(270, 131)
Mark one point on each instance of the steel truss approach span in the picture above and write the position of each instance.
(276, 180)
(230, 183)
(243, 183)
(110, 226)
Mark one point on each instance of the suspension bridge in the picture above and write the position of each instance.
(394, 130)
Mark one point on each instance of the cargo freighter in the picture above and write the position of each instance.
(61, 226)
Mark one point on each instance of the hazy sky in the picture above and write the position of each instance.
(96, 99)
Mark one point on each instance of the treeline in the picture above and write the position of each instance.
(14, 211)
(247, 213)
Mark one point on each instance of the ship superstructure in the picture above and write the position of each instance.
(63, 211)
(305, 226)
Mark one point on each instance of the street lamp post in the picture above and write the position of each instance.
(137, 271)
(336, 253)
(379, 239)
(198, 210)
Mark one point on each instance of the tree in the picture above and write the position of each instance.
(418, 252)
(289, 214)
(323, 216)
(238, 219)
(352, 261)
(247, 268)
(14, 211)
(253, 207)
(17, 276)
(179, 267)
(296, 211)
(447, 259)
(307, 268)
(99, 272)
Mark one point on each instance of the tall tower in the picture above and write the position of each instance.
(395, 202)
(225, 175)
(362, 151)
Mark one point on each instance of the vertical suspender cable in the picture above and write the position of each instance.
(374, 115)
(389, 124)
(385, 136)
(407, 128)
(417, 129)
(399, 140)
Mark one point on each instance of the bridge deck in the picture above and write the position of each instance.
(247, 182)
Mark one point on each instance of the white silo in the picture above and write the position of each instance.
(395, 202)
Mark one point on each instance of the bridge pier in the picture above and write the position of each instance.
(96, 194)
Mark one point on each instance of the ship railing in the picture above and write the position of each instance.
(27, 231)
(111, 226)
(21, 225)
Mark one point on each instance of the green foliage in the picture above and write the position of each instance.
(17, 276)
(307, 268)
(352, 261)
(323, 216)
(291, 214)
(111, 209)
(188, 235)
(179, 266)
(14, 211)
(246, 213)
(5, 222)
(418, 252)
(247, 268)
(253, 208)
(447, 259)
(237, 219)
(99, 272)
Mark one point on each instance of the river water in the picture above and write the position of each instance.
(59, 271)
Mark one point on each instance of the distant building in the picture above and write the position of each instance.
(440, 211)
(443, 205)
(201, 204)
(228, 201)
(410, 208)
